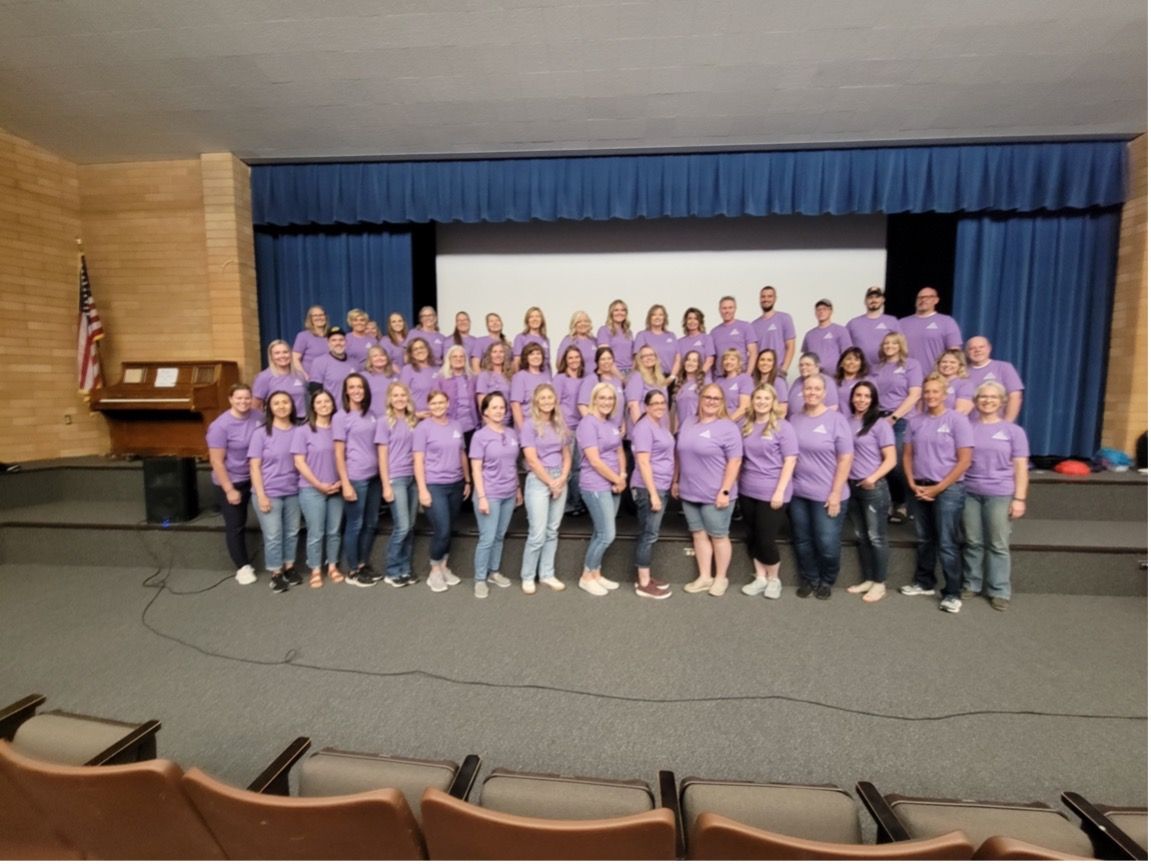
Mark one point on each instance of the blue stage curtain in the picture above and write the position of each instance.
(967, 178)
(1040, 288)
(339, 270)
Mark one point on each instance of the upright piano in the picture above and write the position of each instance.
(165, 408)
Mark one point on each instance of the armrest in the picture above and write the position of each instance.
(889, 828)
(16, 713)
(1109, 839)
(137, 746)
(273, 780)
(465, 778)
(669, 798)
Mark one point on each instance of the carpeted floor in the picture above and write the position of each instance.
(793, 690)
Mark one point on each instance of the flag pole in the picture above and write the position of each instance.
(87, 394)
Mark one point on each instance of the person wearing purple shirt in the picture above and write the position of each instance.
(393, 440)
(455, 379)
(330, 369)
(646, 377)
(419, 375)
(809, 368)
(867, 330)
(770, 450)
(616, 334)
(228, 437)
(353, 434)
(495, 375)
(394, 341)
(601, 480)
(849, 371)
(546, 442)
(826, 339)
(280, 375)
(660, 339)
(774, 330)
(899, 380)
(379, 374)
(936, 456)
(695, 338)
(870, 499)
(428, 330)
(321, 503)
(952, 366)
(928, 332)
(604, 372)
(653, 447)
(736, 384)
(444, 479)
(480, 346)
(996, 486)
(276, 490)
(533, 372)
(312, 341)
(819, 505)
(731, 333)
(688, 383)
(579, 336)
(766, 369)
(982, 368)
(567, 382)
(461, 336)
(708, 452)
(358, 339)
(494, 451)
(535, 330)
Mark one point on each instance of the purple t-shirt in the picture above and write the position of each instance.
(930, 336)
(330, 373)
(268, 382)
(959, 388)
(636, 390)
(735, 334)
(703, 450)
(996, 370)
(586, 346)
(893, 381)
(774, 333)
(869, 447)
(419, 381)
(480, 345)
(827, 342)
(548, 444)
(435, 340)
(605, 436)
(378, 384)
(620, 344)
(309, 346)
(398, 440)
(497, 453)
(867, 334)
(585, 396)
(461, 399)
(358, 347)
(687, 398)
(395, 353)
(232, 435)
(567, 389)
(492, 382)
(524, 385)
(702, 343)
(358, 432)
(521, 341)
(655, 440)
(795, 395)
(935, 442)
(318, 452)
(664, 344)
(734, 388)
(822, 440)
(844, 392)
(441, 445)
(763, 461)
(277, 467)
(996, 446)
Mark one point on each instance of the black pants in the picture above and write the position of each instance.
(763, 526)
(236, 522)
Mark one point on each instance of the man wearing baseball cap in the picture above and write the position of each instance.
(826, 339)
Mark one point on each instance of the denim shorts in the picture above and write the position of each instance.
(707, 517)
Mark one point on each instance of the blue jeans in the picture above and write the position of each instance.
(493, 526)
(818, 539)
(987, 526)
(897, 480)
(867, 510)
(281, 529)
(544, 516)
(403, 508)
(362, 519)
(322, 516)
(602, 507)
(649, 522)
(939, 533)
(446, 501)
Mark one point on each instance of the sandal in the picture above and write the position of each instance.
(317, 579)
(335, 575)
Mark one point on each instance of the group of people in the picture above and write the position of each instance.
(886, 419)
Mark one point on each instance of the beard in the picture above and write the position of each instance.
(765, 306)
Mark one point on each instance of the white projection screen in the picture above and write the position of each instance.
(567, 266)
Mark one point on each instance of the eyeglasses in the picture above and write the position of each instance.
(711, 398)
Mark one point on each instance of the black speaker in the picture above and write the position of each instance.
(170, 489)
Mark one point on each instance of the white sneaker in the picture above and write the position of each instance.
(701, 584)
(916, 590)
(450, 578)
(774, 589)
(609, 584)
(529, 586)
(553, 583)
(718, 588)
(754, 587)
(481, 590)
(436, 582)
(246, 575)
(593, 587)
(499, 580)
(951, 604)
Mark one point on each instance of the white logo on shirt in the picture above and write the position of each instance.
(931, 326)
(697, 344)
(733, 387)
(880, 326)
(706, 433)
(733, 332)
(615, 432)
(770, 328)
(829, 336)
(990, 376)
(944, 429)
(821, 429)
(1000, 436)
(668, 339)
(457, 435)
(899, 370)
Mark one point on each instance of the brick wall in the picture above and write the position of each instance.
(1125, 408)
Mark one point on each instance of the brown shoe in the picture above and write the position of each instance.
(652, 591)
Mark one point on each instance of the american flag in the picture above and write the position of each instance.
(89, 332)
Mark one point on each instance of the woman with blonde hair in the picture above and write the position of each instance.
(601, 481)
(616, 334)
(579, 336)
(312, 341)
(735, 384)
(280, 374)
(952, 365)
(535, 330)
(544, 438)
(645, 378)
(428, 329)
(394, 430)
(358, 338)
(656, 336)
(899, 380)
(379, 374)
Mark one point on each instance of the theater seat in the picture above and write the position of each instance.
(1010, 849)
(75, 739)
(547, 816)
(1118, 832)
(734, 820)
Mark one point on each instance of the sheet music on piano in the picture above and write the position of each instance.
(166, 377)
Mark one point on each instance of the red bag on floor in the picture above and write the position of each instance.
(1073, 467)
